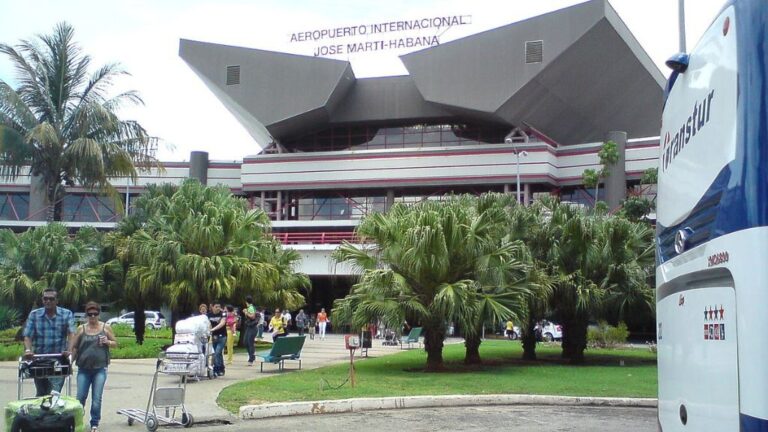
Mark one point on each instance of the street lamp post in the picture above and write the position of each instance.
(509, 140)
(517, 169)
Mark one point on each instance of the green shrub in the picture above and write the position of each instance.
(9, 317)
(11, 352)
(128, 349)
(607, 336)
(9, 333)
(124, 330)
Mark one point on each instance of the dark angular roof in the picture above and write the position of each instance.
(593, 77)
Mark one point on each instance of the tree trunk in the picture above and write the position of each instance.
(567, 339)
(529, 340)
(597, 190)
(433, 345)
(139, 321)
(575, 339)
(55, 204)
(472, 349)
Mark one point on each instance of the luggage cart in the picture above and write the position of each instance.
(56, 411)
(170, 399)
(45, 366)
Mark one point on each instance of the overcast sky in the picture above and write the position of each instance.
(143, 36)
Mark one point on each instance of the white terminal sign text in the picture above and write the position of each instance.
(373, 34)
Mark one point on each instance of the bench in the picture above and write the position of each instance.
(412, 338)
(284, 348)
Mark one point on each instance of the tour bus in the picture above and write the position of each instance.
(712, 229)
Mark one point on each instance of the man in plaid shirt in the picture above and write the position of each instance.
(48, 331)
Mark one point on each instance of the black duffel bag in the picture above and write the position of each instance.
(44, 422)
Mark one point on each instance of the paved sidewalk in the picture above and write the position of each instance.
(129, 381)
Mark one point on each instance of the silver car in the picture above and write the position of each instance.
(154, 319)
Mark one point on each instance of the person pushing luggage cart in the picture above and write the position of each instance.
(46, 360)
(48, 330)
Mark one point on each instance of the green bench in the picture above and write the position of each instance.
(412, 338)
(284, 348)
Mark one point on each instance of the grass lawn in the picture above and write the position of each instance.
(154, 341)
(503, 372)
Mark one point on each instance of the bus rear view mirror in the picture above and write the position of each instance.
(678, 62)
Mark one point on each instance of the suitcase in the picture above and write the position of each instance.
(45, 414)
(189, 358)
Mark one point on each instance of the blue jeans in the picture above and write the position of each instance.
(87, 379)
(44, 386)
(218, 353)
(250, 335)
(259, 331)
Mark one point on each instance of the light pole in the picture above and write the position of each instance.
(127, 196)
(510, 140)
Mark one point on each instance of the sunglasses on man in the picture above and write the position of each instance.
(92, 314)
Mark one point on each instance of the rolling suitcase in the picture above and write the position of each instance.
(54, 413)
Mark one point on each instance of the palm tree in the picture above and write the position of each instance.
(118, 263)
(628, 256)
(598, 263)
(530, 225)
(62, 124)
(48, 256)
(502, 276)
(201, 244)
(573, 260)
(424, 263)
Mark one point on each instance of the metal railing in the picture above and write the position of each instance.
(316, 237)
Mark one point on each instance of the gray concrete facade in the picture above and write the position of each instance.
(483, 78)
(198, 166)
(616, 182)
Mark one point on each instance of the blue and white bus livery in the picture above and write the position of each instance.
(712, 230)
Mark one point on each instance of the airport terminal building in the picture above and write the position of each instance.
(533, 99)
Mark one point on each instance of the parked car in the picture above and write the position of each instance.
(549, 331)
(154, 319)
(80, 318)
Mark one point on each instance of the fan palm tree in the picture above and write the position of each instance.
(115, 253)
(573, 260)
(628, 256)
(502, 275)
(46, 257)
(598, 263)
(530, 225)
(61, 122)
(424, 263)
(201, 244)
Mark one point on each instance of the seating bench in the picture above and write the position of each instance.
(412, 338)
(284, 348)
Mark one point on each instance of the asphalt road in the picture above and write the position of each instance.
(506, 418)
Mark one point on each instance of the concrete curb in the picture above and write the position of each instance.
(371, 404)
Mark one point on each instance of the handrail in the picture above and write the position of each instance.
(317, 237)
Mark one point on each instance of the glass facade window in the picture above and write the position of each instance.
(413, 136)
(88, 208)
(14, 206)
(583, 196)
(339, 208)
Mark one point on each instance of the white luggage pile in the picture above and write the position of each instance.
(191, 349)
